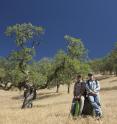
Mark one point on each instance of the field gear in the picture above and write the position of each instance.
(87, 108)
(77, 106)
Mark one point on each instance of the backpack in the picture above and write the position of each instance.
(85, 93)
(75, 108)
(89, 84)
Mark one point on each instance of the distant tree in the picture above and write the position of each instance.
(107, 64)
(5, 82)
(77, 56)
(75, 48)
(54, 77)
(41, 70)
(96, 65)
(74, 62)
(113, 58)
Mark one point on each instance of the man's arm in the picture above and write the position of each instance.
(74, 89)
(89, 90)
(83, 88)
(97, 87)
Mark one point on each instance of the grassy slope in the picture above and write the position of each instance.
(52, 108)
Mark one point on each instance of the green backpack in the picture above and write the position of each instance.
(77, 108)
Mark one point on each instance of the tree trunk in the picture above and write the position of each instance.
(58, 85)
(68, 90)
(110, 72)
(116, 73)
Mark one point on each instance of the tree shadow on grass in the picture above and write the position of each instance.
(109, 88)
(113, 81)
(47, 95)
(40, 96)
(17, 97)
(52, 104)
(102, 78)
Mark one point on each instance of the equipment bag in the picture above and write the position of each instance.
(75, 108)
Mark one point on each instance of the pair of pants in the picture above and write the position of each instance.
(81, 104)
(95, 102)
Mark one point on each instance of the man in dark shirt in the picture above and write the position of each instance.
(79, 90)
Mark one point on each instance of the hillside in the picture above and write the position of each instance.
(53, 108)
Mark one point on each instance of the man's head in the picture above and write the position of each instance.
(91, 76)
(79, 77)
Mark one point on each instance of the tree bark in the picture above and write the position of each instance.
(68, 90)
(58, 85)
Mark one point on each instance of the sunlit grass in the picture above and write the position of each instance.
(53, 108)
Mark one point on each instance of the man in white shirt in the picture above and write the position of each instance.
(93, 88)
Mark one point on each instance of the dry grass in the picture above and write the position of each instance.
(52, 108)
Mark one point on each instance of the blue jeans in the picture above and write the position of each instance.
(95, 102)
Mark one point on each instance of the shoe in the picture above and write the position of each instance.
(98, 115)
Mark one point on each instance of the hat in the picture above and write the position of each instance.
(90, 74)
(79, 76)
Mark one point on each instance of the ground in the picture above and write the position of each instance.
(53, 108)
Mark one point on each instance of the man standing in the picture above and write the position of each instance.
(79, 89)
(93, 88)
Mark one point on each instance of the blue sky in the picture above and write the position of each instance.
(94, 21)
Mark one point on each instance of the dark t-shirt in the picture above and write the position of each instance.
(79, 88)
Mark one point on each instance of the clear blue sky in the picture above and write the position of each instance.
(94, 21)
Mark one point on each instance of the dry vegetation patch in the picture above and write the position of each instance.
(53, 108)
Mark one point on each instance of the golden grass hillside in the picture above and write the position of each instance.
(53, 108)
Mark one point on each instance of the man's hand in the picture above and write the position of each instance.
(93, 93)
(77, 97)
